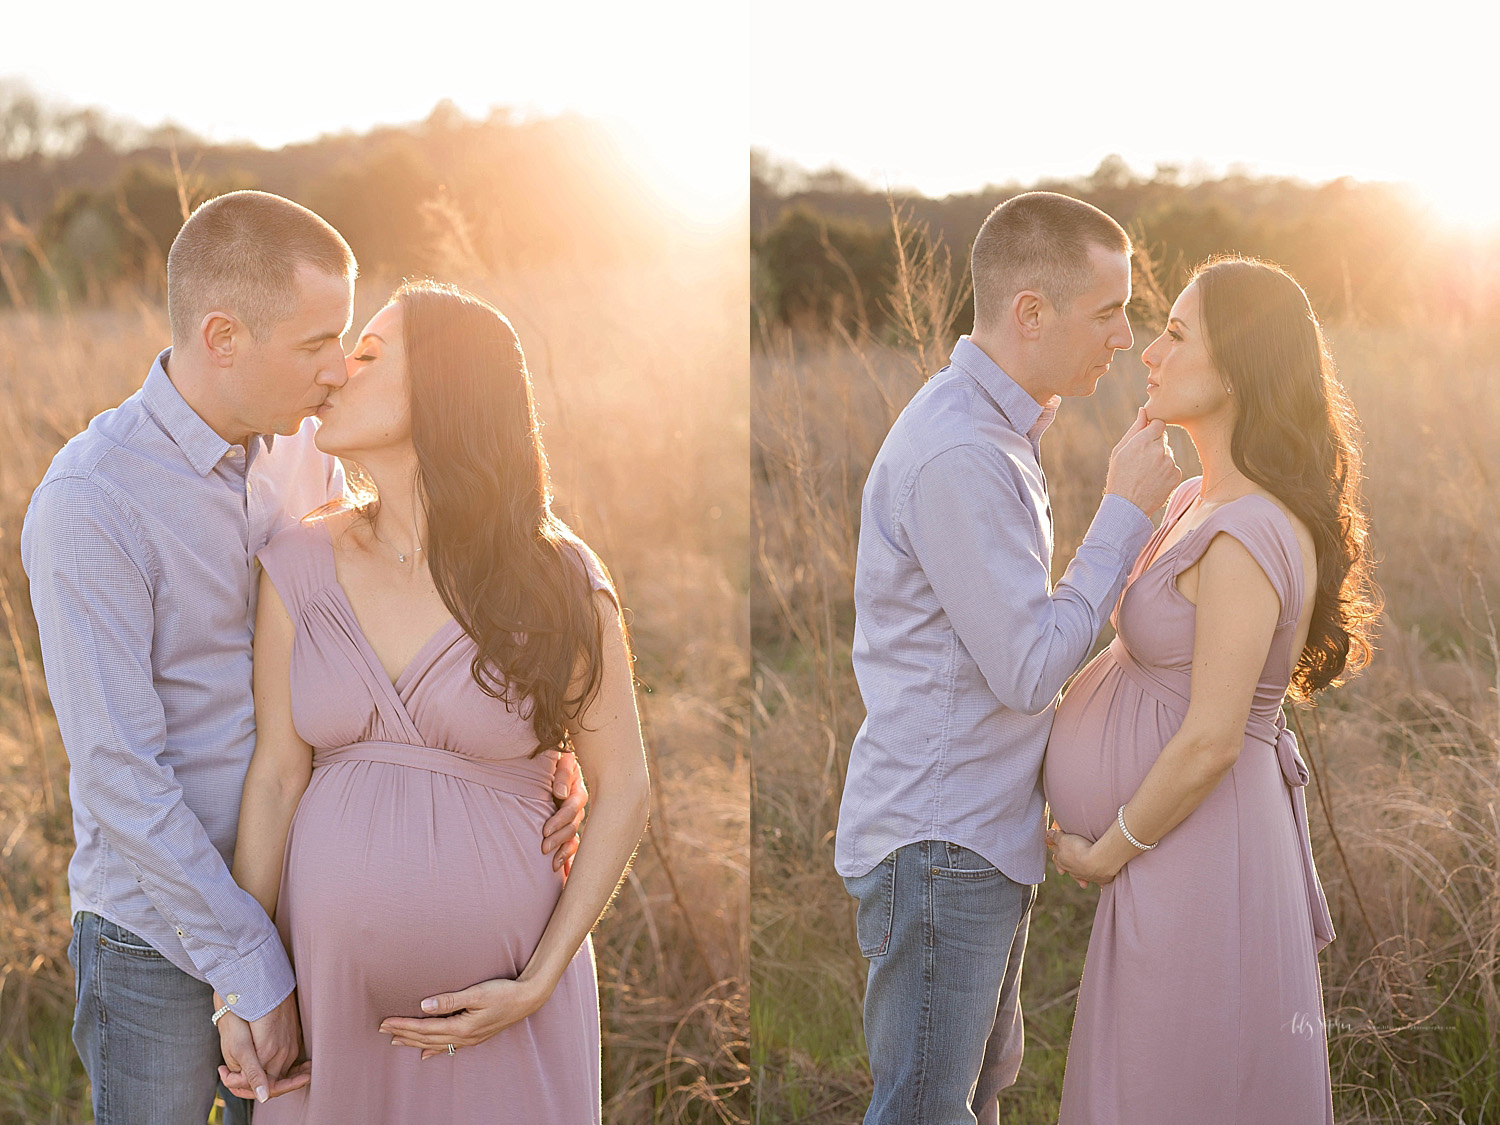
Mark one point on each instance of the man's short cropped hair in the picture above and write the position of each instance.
(240, 253)
(1038, 241)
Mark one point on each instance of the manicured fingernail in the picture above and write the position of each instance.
(261, 1093)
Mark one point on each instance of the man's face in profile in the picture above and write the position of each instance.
(284, 376)
(1082, 339)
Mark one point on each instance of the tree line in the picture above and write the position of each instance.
(823, 246)
(89, 204)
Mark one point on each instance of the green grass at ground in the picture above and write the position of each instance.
(41, 1078)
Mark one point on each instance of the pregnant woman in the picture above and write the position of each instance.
(414, 654)
(1171, 776)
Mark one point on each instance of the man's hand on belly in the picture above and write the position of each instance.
(560, 833)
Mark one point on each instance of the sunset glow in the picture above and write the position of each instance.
(669, 79)
(1014, 95)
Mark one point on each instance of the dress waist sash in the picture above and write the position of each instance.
(1293, 771)
(522, 777)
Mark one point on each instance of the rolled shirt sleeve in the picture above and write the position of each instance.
(93, 593)
(975, 537)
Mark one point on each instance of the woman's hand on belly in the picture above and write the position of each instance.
(467, 1018)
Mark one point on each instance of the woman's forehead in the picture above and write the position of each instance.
(384, 323)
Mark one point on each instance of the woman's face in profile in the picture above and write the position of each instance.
(371, 412)
(1184, 384)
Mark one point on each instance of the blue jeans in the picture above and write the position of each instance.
(142, 1028)
(944, 932)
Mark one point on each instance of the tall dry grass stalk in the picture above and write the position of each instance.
(1407, 763)
(642, 386)
(1413, 987)
(820, 407)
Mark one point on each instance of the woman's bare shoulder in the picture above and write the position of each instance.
(337, 519)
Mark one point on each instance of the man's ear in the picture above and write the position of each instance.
(222, 335)
(1028, 309)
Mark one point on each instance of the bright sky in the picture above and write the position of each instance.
(949, 95)
(671, 73)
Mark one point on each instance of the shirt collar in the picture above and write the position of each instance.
(1025, 415)
(196, 438)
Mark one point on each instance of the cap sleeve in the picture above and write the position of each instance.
(299, 561)
(1265, 531)
(594, 570)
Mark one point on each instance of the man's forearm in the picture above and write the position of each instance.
(96, 619)
(226, 934)
(988, 566)
(1031, 652)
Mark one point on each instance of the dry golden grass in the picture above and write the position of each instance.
(1405, 805)
(642, 385)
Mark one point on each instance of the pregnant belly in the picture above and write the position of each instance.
(1105, 735)
(400, 882)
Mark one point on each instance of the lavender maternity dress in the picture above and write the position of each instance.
(413, 867)
(1200, 1001)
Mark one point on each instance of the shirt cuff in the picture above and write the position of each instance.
(254, 984)
(1121, 524)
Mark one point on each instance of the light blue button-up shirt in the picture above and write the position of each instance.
(140, 548)
(961, 643)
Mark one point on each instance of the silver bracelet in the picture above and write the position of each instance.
(1120, 820)
(219, 1015)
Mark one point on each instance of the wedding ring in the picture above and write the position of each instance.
(452, 1050)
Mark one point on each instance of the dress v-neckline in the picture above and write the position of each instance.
(420, 660)
(1161, 553)
(1158, 552)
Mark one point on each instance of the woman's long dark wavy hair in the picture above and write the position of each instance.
(510, 572)
(1297, 435)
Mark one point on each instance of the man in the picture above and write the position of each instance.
(140, 547)
(961, 646)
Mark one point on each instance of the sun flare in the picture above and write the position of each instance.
(700, 176)
(1469, 202)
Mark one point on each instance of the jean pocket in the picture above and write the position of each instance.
(118, 939)
(875, 892)
(962, 864)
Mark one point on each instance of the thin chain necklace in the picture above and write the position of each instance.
(1233, 472)
(401, 555)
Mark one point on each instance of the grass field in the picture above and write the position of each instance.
(1405, 805)
(642, 386)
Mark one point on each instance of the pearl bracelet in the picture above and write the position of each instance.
(1120, 820)
(219, 1015)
